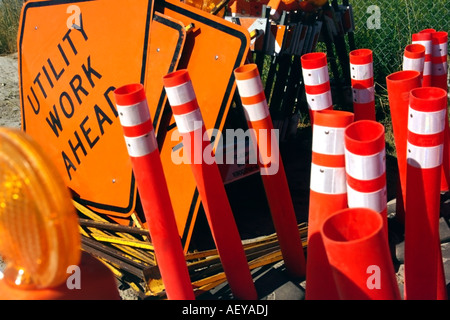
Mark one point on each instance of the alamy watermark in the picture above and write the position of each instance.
(196, 149)
(374, 280)
(74, 280)
(374, 20)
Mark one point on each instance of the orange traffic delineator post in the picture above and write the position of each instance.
(439, 79)
(358, 251)
(328, 194)
(188, 117)
(365, 166)
(426, 117)
(143, 150)
(272, 170)
(363, 88)
(439, 41)
(414, 58)
(436, 67)
(424, 38)
(317, 82)
(399, 84)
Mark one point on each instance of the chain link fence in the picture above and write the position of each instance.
(386, 27)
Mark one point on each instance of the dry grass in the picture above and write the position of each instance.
(9, 22)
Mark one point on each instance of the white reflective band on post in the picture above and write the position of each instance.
(426, 122)
(413, 64)
(313, 77)
(374, 200)
(328, 140)
(439, 69)
(364, 95)
(328, 180)
(142, 145)
(189, 122)
(257, 111)
(361, 71)
(133, 115)
(428, 44)
(365, 167)
(319, 101)
(440, 50)
(427, 67)
(424, 157)
(249, 87)
(180, 94)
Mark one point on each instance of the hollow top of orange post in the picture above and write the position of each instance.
(333, 118)
(403, 76)
(314, 60)
(421, 36)
(428, 99)
(439, 37)
(361, 56)
(129, 94)
(414, 51)
(176, 78)
(429, 30)
(352, 225)
(364, 137)
(247, 71)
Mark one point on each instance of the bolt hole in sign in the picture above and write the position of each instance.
(72, 55)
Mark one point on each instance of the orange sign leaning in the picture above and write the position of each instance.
(213, 49)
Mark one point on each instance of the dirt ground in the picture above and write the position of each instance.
(9, 92)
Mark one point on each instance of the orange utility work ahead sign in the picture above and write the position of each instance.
(72, 55)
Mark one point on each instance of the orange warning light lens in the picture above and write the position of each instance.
(39, 235)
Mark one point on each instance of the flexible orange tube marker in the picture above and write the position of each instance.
(143, 150)
(188, 117)
(424, 38)
(328, 194)
(414, 58)
(439, 41)
(272, 171)
(363, 88)
(358, 251)
(317, 82)
(399, 84)
(365, 166)
(423, 259)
